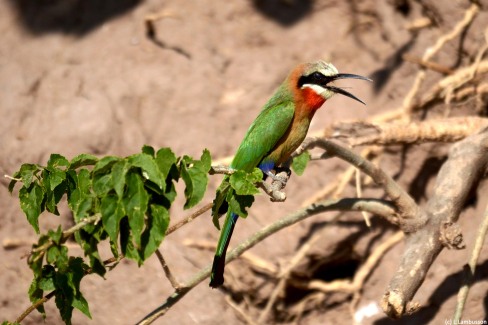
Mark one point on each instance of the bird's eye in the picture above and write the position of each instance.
(317, 75)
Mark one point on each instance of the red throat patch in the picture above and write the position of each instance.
(312, 99)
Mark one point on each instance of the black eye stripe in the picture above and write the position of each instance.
(315, 78)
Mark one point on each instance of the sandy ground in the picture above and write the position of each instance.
(81, 76)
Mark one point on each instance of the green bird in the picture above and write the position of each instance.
(275, 134)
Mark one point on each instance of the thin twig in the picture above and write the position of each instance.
(469, 271)
(190, 218)
(379, 207)
(240, 312)
(469, 15)
(410, 219)
(176, 285)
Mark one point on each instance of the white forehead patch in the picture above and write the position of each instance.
(328, 69)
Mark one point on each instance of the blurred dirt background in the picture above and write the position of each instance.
(84, 76)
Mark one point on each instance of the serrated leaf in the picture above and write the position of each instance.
(170, 193)
(155, 232)
(148, 150)
(165, 159)
(104, 164)
(80, 303)
(136, 202)
(102, 184)
(89, 243)
(63, 297)
(56, 177)
(53, 179)
(300, 162)
(119, 170)
(80, 201)
(112, 209)
(31, 203)
(206, 160)
(43, 281)
(195, 176)
(150, 170)
(58, 255)
(56, 160)
(126, 242)
(26, 173)
(244, 183)
(56, 236)
(46, 283)
(82, 160)
(77, 269)
(238, 204)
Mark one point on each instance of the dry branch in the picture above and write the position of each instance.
(408, 211)
(436, 130)
(467, 162)
(378, 207)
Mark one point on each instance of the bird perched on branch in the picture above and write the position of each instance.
(275, 134)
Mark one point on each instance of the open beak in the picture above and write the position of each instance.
(342, 91)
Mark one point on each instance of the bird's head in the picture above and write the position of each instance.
(314, 82)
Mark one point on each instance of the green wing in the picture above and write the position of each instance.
(265, 132)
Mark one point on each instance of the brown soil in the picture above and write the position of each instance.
(80, 76)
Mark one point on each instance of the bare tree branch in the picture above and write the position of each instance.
(436, 130)
(468, 160)
(408, 211)
(378, 207)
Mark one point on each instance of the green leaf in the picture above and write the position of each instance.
(195, 176)
(156, 230)
(82, 160)
(300, 163)
(150, 170)
(77, 269)
(31, 203)
(102, 184)
(239, 203)
(220, 198)
(56, 177)
(148, 150)
(56, 236)
(126, 242)
(136, 201)
(112, 209)
(56, 160)
(80, 303)
(46, 283)
(58, 255)
(244, 183)
(89, 243)
(105, 164)
(119, 170)
(165, 159)
(206, 160)
(80, 201)
(63, 297)
(43, 281)
(26, 173)
(35, 259)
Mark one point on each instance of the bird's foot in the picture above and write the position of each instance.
(286, 170)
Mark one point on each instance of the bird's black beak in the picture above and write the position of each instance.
(342, 91)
